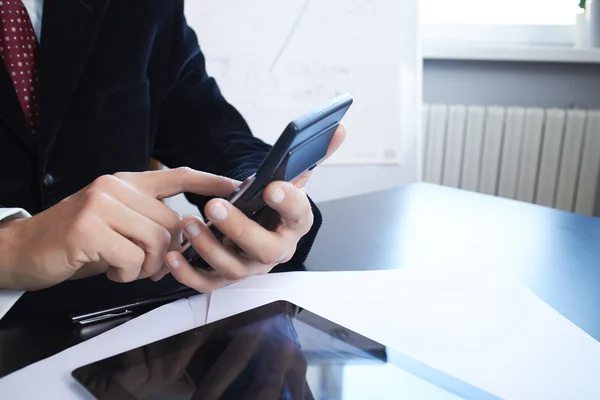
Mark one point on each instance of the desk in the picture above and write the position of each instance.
(554, 253)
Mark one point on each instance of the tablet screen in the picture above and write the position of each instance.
(277, 351)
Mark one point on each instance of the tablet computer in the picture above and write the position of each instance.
(277, 351)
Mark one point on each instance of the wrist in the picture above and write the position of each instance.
(9, 250)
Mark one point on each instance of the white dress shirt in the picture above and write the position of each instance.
(35, 9)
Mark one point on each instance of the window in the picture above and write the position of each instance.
(533, 22)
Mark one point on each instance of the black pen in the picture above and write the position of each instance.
(130, 308)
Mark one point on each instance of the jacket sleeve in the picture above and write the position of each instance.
(199, 128)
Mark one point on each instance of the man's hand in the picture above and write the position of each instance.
(116, 224)
(249, 248)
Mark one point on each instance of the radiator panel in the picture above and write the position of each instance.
(511, 152)
(570, 161)
(436, 142)
(474, 137)
(530, 155)
(590, 165)
(457, 119)
(546, 156)
(492, 145)
(552, 142)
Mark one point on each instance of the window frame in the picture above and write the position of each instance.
(503, 22)
(500, 34)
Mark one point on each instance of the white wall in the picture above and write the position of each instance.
(332, 181)
(526, 84)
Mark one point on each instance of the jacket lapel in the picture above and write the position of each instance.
(11, 113)
(69, 31)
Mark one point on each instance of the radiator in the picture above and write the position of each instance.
(549, 157)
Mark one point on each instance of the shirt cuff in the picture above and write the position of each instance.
(10, 214)
(8, 298)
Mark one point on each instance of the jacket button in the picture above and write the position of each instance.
(48, 180)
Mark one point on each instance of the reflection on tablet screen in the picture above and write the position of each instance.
(277, 351)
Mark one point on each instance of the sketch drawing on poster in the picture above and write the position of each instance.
(275, 60)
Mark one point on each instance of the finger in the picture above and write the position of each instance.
(292, 205)
(124, 258)
(258, 243)
(164, 271)
(167, 183)
(153, 238)
(221, 258)
(198, 279)
(91, 269)
(302, 180)
(132, 197)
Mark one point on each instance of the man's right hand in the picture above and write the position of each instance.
(116, 224)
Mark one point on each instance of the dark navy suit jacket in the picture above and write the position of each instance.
(120, 81)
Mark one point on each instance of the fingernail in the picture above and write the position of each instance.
(192, 229)
(302, 182)
(218, 212)
(173, 263)
(277, 196)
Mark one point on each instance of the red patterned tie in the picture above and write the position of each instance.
(18, 47)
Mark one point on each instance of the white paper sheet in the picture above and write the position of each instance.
(494, 334)
(51, 378)
(8, 298)
(484, 329)
(199, 308)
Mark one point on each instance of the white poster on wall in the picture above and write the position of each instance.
(275, 60)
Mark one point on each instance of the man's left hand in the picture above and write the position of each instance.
(249, 249)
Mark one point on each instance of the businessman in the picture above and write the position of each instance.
(90, 91)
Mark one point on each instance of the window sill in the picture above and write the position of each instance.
(479, 52)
